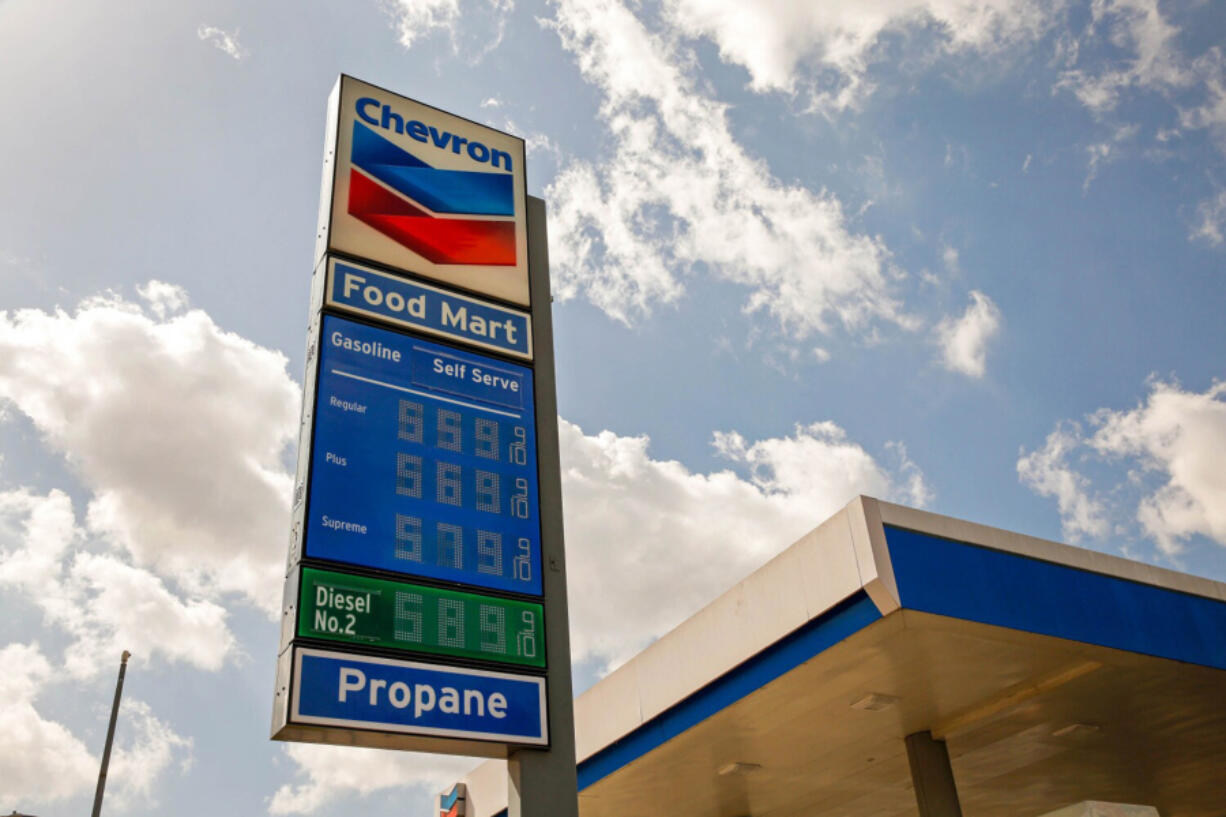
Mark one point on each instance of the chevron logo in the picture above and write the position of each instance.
(452, 804)
(423, 208)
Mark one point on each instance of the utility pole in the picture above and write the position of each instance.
(110, 734)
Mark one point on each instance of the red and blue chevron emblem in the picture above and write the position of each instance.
(422, 207)
(452, 804)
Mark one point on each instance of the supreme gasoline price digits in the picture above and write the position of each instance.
(424, 460)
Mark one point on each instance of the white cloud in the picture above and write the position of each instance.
(663, 540)
(826, 49)
(1162, 464)
(413, 19)
(149, 750)
(103, 604)
(43, 762)
(1211, 112)
(949, 255)
(1097, 154)
(1102, 153)
(331, 772)
(537, 143)
(1151, 62)
(222, 40)
(175, 426)
(907, 483)
(677, 195)
(163, 298)
(1181, 437)
(1046, 472)
(964, 341)
(1211, 219)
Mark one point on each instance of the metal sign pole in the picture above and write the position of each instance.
(110, 734)
(544, 783)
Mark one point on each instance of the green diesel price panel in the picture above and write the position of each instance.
(403, 616)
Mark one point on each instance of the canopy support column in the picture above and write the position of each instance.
(932, 776)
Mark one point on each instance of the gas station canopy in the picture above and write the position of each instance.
(1047, 674)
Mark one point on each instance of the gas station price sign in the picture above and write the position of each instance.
(423, 511)
(403, 616)
(424, 460)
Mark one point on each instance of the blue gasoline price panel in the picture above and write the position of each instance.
(424, 460)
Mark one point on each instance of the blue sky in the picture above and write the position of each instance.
(962, 254)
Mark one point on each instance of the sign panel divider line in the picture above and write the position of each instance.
(418, 333)
(352, 569)
(440, 398)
